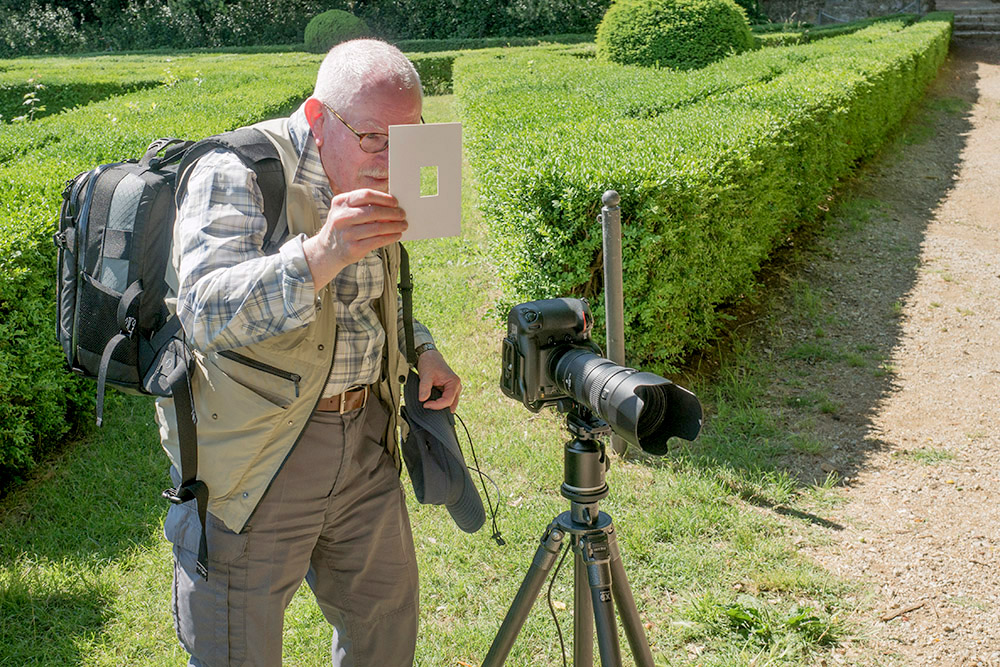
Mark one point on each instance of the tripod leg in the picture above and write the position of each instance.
(626, 606)
(583, 612)
(596, 556)
(545, 558)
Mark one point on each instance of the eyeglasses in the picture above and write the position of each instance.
(371, 142)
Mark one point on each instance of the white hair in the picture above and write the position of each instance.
(351, 66)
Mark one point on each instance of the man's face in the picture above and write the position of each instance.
(374, 109)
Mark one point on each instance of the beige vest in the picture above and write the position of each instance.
(249, 419)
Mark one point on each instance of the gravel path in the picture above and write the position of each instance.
(919, 446)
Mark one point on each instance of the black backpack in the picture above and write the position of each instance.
(114, 240)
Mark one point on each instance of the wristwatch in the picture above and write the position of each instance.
(423, 348)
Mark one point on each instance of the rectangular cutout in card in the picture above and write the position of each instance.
(425, 175)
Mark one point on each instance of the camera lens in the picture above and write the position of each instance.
(643, 408)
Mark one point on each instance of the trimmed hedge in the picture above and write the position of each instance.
(326, 30)
(435, 69)
(714, 167)
(474, 43)
(75, 82)
(681, 34)
(786, 34)
(40, 399)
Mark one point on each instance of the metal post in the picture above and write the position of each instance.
(614, 299)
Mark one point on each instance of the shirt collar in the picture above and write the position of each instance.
(309, 170)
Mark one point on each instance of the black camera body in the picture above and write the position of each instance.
(535, 331)
(549, 359)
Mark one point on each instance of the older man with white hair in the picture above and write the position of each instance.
(298, 364)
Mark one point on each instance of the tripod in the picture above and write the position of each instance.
(599, 582)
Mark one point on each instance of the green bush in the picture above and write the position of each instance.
(39, 396)
(714, 167)
(460, 19)
(681, 34)
(259, 22)
(41, 401)
(331, 28)
(148, 24)
(36, 29)
(31, 27)
(752, 9)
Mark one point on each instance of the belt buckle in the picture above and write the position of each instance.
(343, 399)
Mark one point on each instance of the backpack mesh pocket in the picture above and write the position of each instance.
(98, 307)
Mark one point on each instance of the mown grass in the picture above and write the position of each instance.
(85, 573)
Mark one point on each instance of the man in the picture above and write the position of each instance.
(297, 382)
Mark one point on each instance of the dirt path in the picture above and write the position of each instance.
(916, 440)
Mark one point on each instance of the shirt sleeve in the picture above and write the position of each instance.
(230, 293)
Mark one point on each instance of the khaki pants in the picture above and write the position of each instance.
(334, 516)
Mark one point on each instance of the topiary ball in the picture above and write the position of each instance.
(332, 27)
(681, 34)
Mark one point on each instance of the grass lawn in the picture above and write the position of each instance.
(85, 572)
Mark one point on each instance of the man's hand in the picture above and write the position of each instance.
(358, 222)
(435, 372)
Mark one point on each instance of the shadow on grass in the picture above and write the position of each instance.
(42, 628)
(57, 97)
(59, 532)
(796, 383)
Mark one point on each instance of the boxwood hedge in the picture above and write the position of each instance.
(785, 34)
(39, 398)
(714, 167)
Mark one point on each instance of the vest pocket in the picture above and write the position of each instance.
(273, 384)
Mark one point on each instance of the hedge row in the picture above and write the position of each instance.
(76, 82)
(40, 400)
(69, 83)
(475, 43)
(784, 34)
(714, 167)
(435, 68)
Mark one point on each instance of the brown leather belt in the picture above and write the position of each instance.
(354, 398)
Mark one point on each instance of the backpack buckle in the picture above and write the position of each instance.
(178, 495)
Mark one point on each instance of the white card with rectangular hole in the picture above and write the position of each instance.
(425, 176)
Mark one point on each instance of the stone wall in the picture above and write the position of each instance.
(823, 12)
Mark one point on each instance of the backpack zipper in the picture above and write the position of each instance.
(294, 378)
(81, 224)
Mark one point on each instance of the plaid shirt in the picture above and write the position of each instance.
(231, 294)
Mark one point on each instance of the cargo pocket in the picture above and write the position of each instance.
(209, 615)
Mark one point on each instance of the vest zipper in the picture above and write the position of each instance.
(265, 368)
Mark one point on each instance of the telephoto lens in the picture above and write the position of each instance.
(643, 408)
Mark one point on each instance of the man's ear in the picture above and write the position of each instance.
(316, 118)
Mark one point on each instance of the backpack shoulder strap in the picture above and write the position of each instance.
(257, 152)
